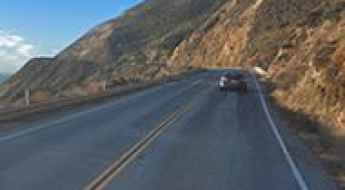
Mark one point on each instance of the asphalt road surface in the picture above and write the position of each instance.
(184, 135)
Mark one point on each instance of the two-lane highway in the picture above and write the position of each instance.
(182, 135)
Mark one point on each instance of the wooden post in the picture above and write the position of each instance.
(27, 96)
(104, 85)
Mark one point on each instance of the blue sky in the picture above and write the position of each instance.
(31, 28)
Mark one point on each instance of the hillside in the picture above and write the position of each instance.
(300, 43)
(133, 47)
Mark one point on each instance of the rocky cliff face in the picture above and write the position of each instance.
(310, 72)
(240, 30)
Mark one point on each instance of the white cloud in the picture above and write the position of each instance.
(14, 52)
(9, 41)
(25, 50)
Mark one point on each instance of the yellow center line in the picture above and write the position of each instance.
(114, 169)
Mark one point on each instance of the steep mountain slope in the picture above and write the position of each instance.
(240, 30)
(310, 74)
(129, 48)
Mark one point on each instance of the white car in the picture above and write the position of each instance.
(222, 83)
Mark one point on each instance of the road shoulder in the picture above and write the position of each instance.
(301, 150)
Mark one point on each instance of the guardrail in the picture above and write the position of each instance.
(64, 103)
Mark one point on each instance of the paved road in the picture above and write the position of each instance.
(215, 140)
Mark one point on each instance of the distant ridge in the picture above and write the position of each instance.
(4, 77)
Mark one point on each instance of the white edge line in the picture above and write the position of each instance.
(58, 121)
(296, 172)
(78, 114)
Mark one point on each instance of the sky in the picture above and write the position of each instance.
(32, 28)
